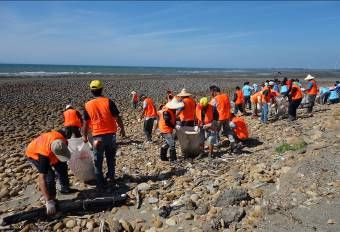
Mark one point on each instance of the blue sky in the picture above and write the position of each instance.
(184, 34)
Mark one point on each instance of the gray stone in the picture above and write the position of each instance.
(232, 197)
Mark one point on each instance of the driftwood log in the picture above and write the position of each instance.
(78, 206)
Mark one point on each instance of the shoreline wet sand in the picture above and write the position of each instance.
(31, 105)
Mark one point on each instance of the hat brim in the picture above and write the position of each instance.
(65, 157)
(184, 94)
(309, 78)
(173, 106)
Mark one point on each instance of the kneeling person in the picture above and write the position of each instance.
(49, 153)
(239, 126)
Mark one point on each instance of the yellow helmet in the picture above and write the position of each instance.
(204, 101)
(96, 84)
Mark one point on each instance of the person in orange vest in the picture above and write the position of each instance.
(73, 122)
(238, 100)
(312, 91)
(255, 99)
(221, 104)
(265, 101)
(102, 116)
(49, 153)
(239, 126)
(295, 98)
(207, 123)
(166, 125)
(186, 114)
(134, 99)
(149, 114)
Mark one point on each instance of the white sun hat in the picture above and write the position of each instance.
(60, 150)
(309, 77)
(174, 104)
(184, 93)
(133, 92)
(68, 106)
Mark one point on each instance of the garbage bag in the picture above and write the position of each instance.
(189, 141)
(81, 161)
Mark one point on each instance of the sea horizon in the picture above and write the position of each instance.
(16, 69)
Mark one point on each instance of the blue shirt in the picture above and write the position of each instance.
(276, 88)
(310, 85)
(333, 95)
(324, 90)
(247, 90)
(284, 89)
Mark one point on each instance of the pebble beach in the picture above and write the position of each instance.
(260, 190)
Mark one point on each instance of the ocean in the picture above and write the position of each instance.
(62, 70)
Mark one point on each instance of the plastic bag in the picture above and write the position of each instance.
(81, 161)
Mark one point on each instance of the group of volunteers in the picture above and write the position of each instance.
(212, 117)
(261, 97)
(49, 152)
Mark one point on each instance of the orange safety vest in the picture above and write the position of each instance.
(161, 122)
(265, 98)
(241, 130)
(255, 96)
(188, 113)
(101, 120)
(314, 89)
(223, 107)
(209, 114)
(71, 118)
(297, 94)
(150, 110)
(42, 146)
(239, 97)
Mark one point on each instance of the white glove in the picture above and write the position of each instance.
(177, 127)
(196, 128)
(50, 207)
(204, 127)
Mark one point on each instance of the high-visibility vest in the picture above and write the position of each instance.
(297, 94)
(265, 98)
(255, 96)
(101, 119)
(241, 130)
(71, 118)
(208, 114)
(314, 89)
(161, 122)
(188, 112)
(223, 107)
(150, 110)
(239, 97)
(42, 146)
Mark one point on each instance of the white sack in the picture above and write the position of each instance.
(189, 140)
(81, 162)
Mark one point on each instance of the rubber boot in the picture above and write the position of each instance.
(163, 153)
(173, 155)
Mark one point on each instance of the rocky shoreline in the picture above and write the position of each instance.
(260, 190)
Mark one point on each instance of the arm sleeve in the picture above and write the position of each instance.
(167, 119)
(113, 108)
(235, 97)
(145, 104)
(310, 85)
(86, 116)
(44, 164)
